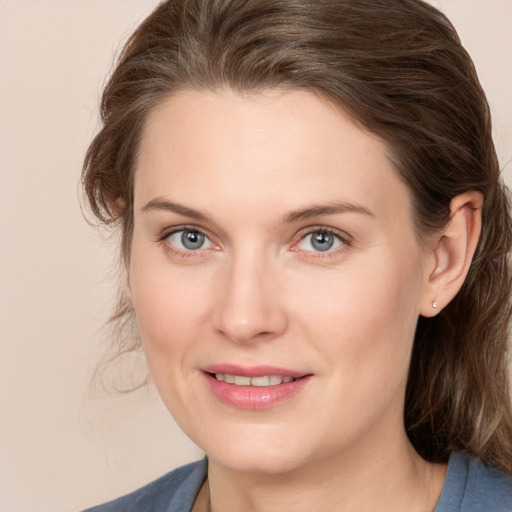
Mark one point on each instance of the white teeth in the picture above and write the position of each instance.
(264, 380)
(242, 381)
(230, 379)
(260, 381)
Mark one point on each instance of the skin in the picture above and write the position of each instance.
(258, 293)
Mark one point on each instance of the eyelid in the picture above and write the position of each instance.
(167, 232)
(340, 235)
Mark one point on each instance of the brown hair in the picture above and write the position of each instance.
(399, 69)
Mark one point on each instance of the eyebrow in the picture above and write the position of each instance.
(306, 213)
(162, 204)
(325, 209)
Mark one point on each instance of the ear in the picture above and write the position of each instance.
(452, 252)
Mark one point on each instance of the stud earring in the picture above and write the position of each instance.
(434, 304)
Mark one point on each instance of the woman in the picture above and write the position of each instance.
(316, 239)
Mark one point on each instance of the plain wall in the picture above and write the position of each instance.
(62, 448)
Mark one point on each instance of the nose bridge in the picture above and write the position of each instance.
(249, 308)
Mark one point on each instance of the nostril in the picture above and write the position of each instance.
(246, 314)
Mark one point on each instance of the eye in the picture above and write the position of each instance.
(320, 241)
(189, 240)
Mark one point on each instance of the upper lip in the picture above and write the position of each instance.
(253, 371)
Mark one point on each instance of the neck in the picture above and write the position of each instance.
(388, 478)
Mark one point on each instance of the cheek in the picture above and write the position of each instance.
(171, 317)
(365, 318)
(170, 305)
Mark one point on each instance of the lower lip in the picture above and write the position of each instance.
(255, 397)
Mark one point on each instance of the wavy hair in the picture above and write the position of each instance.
(398, 68)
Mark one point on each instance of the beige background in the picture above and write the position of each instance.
(62, 448)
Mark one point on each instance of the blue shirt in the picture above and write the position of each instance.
(470, 486)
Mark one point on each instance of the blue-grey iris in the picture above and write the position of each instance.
(192, 240)
(322, 241)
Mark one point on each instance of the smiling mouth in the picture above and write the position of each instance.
(257, 388)
(262, 381)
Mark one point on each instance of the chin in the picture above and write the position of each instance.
(271, 455)
(254, 463)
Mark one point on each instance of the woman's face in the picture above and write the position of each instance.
(274, 246)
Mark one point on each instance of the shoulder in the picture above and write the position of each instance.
(487, 488)
(175, 491)
(472, 486)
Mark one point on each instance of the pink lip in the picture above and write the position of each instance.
(252, 371)
(254, 397)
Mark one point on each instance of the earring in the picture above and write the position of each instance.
(434, 304)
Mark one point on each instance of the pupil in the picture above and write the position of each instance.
(192, 240)
(322, 241)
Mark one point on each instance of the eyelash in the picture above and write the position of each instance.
(179, 252)
(343, 238)
(310, 230)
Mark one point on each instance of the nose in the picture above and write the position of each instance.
(250, 307)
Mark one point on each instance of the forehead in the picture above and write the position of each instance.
(277, 147)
